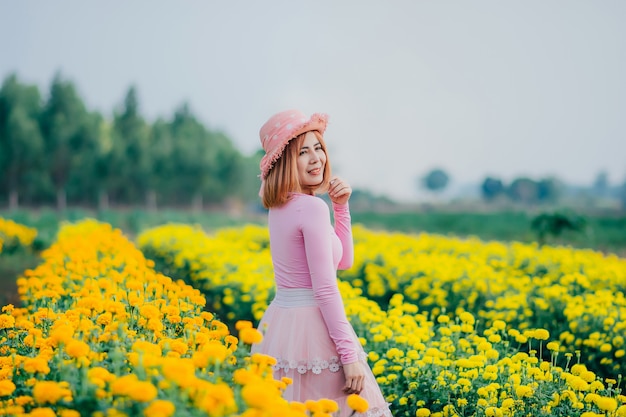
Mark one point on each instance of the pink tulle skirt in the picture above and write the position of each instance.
(296, 335)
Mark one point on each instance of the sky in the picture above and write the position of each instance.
(501, 88)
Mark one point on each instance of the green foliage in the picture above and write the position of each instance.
(21, 146)
(555, 224)
(59, 151)
(436, 180)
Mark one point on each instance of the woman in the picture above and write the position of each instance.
(305, 326)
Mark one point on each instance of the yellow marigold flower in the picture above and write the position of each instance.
(160, 408)
(422, 412)
(250, 336)
(621, 411)
(508, 403)
(42, 412)
(49, 392)
(243, 324)
(328, 406)
(7, 321)
(6, 387)
(77, 348)
(36, 364)
(142, 391)
(620, 353)
(499, 325)
(523, 391)
(394, 353)
(606, 404)
(69, 413)
(606, 347)
(357, 403)
(553, 346)
(256, 395)
(542, 334)
(467, 318)
(298, 407)
(442, 319)
(122, 384)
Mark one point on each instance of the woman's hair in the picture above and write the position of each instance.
(283, 176)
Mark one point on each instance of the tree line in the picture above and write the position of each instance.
(57, 151)
(526, 190)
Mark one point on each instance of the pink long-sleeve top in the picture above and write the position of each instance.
(306, 253)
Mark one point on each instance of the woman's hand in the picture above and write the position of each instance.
(339, 191)
(355, 376)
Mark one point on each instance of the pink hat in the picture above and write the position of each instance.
(281, 128)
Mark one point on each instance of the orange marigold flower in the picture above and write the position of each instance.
(357, 403)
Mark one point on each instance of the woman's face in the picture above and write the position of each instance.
(311, 161)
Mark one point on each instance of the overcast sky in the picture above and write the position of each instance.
(501, 88)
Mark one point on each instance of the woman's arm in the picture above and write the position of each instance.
(317, 234)
(339, 193)
(343, 229)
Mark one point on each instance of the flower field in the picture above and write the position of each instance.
(453, 327)
(15, 236)
(101, 333)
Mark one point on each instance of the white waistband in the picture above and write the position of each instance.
(294, 297)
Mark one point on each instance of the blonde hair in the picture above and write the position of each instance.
(282, 178)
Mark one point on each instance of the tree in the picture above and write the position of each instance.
(601, 184)
(492, 188)
(130, 169)
(554, 224)
(436, 180)
(623, 195)
(62, 125)
(523, 190)
(549, 190)
(21, 146)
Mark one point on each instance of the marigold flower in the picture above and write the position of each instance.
(7, 321)
(606, 404)
(142, 391)
(357, 403)
(42, 412)
(49, 392)
(77, 348)
(422, 412)
(255, 395)
(250, 336)
(160, 408)
(6, 387)
(542, 334)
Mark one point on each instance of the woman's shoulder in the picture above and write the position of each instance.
(309, 201)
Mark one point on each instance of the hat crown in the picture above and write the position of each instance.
(280, 127)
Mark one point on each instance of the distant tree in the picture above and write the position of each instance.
(84, 181)
(163, 178)
(549, 190)
(21, 145)
(436, 180)
(62, 126)
(523, 190)
(130, 165)
(492, 188)
(601, 184)
(623, 195)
